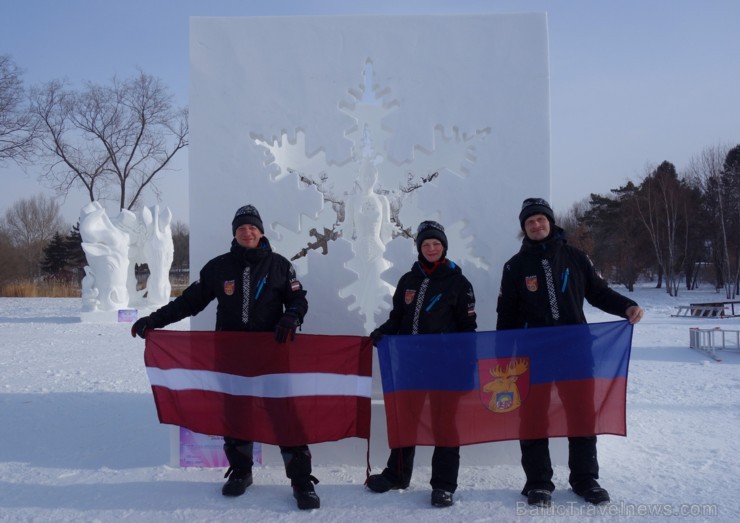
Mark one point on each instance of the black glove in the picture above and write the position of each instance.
(141, 325)
(287, 324)
(376, 336)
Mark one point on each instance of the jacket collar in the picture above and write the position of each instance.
(542, 247)
(250, 256)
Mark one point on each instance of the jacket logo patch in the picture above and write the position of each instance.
(409, 296)
(295, 285)
(531, 282)
(229, 287)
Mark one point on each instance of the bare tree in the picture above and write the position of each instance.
(696, 248)
(572, 221)
(705, 170)
(10, 262)
(112, 140)
(72, 160)
(661, 204)
(29, 224)
(730, 198)
(17, 126)
(181, 241)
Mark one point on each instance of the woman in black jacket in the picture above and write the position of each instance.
(432, 298)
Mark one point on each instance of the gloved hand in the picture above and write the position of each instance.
(141, 325)
(376, 336)
(287, 324)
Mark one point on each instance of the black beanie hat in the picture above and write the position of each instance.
(532, 206)
(430, 229)
(246, 214)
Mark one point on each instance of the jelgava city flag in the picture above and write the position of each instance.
(246, 386)
(460, 389)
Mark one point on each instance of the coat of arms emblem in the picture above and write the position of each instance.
(509, 386)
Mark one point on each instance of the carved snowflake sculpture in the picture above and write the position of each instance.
(371, 197)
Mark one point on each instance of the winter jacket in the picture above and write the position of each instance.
(440, 302)
(253, 288)
(545, 283)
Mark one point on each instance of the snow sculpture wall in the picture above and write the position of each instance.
(346, 132)
(113, 247)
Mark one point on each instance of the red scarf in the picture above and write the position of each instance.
(429, 268)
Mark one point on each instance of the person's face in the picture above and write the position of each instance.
(248, 236)
(537, 227)
(432, 250)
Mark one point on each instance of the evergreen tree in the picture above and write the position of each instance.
(75, 255)
(54, 258)
(619, 244)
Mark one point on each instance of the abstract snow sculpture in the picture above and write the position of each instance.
(106, 250)
(158, 251)
(113, 247)
(89, 291)
(128, 223)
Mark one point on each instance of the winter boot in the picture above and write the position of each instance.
(305, 495)
(239, 480)
(397, 472)
(298, 468)
(239, 474)
(590, 491)
(441, 498)
(382, 483)
(539, 497)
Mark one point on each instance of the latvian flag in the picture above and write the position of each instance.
(246, 386)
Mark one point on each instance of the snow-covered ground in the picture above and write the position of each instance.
(80, 441)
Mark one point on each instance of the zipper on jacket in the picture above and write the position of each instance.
(565, 280)
(259, 287)
(434, 300)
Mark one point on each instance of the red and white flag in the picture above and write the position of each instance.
(245, 385)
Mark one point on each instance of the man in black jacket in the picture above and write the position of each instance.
(256, 290)
(544, 285)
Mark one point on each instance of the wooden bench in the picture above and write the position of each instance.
(700, 310)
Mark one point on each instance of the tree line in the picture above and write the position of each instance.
(113, 140)
(675, 228)
(36, 244)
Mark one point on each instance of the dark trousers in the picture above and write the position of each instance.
(445, 467)
(297, 460)
(582, 461)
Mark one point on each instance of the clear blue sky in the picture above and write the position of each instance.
(632, 82)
